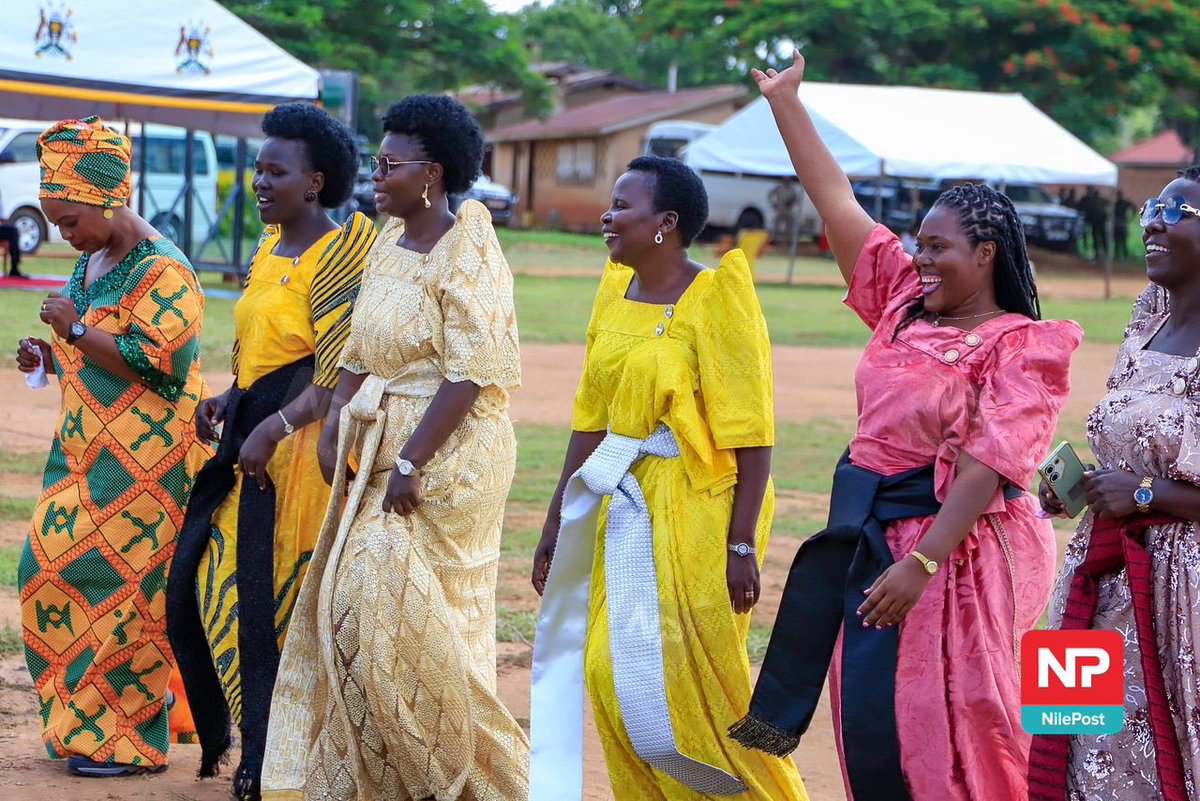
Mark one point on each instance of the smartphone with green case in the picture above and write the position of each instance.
(1063, 471)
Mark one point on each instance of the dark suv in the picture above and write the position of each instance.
(1047, 223)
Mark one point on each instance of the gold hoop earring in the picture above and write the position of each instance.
(108, 214)
(425, 196)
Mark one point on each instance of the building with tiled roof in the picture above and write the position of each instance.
(563, 168)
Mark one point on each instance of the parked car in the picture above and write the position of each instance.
(735, 200)
(900, 205)
(363, 194)
(20, 177)
(1047, 223)
(498, 199)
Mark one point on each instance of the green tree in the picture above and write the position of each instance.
(1084, 62)
(399, 47)
(606, 36)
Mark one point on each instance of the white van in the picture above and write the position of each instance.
(735, 201)
(20, 177)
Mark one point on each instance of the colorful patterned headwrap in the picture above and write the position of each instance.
(84, 162)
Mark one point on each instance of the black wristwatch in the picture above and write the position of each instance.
(76, 330)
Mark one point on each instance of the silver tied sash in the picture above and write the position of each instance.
(635, 632)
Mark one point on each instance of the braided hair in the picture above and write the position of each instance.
(986, 215)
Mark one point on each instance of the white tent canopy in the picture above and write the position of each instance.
(180, 62)
(910, 132)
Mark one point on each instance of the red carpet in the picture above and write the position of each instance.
(35, 283)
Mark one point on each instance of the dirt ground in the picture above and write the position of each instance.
(810, 384)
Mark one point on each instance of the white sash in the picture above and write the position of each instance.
(635, 632)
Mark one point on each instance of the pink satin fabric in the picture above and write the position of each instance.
(926, 397)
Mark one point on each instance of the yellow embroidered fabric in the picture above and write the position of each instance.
(289, 310)
(278, 322)
(387, 684)
(703, 367)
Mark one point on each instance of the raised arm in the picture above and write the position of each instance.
(846, 224)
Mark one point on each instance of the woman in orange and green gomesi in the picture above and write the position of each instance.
(124, 345)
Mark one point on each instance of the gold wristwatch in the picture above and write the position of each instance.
(931, 567)
(1143, 496)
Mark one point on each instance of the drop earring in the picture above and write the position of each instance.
(425, 196)
(658, 238)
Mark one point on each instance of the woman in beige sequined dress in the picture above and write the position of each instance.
(387, 685)
(1147, 427)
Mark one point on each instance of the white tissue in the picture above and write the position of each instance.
(37, 379)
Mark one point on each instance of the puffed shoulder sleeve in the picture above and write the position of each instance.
(882, 275)
(734, 354)
(334, 290)
(1025, 382)
(479, 340)
(590, 411)
(161, 312)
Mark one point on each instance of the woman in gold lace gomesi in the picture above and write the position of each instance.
(387, 685)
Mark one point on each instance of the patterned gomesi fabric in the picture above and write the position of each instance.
(1146, 423)
(387, 684)
(84, 162)
(93, 572)
(289, 309)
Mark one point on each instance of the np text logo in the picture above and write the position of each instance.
(1072, 682)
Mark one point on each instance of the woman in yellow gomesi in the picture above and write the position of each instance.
(257, 507)
(674, 420)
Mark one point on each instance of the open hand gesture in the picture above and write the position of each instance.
(774, 84)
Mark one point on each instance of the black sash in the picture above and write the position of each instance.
(822, 595)
(257, 646)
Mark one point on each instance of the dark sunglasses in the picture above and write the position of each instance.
(1171, 208)
(386, 165)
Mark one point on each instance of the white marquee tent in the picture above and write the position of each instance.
(911, 132)
(189, 63)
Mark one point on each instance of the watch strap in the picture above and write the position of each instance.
(930, 566)
(1146, 484)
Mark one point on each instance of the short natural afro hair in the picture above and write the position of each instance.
(677, 188)
(329, 144)
(1192, 174)
(446, 132)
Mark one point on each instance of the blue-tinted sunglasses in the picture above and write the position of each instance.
(1171, 208)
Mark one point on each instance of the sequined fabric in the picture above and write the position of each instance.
(1147, 422)
(387, 686)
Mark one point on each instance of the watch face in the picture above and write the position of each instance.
(931, 568)
(78, 329)
(1143, 496)
(742, 549)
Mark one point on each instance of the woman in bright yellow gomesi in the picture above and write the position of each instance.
(667, 480)
(257, 507)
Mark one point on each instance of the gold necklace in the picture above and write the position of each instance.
(937, 321)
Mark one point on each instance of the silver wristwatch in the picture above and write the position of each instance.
(288, 428)
(406, 468)
(742, 549)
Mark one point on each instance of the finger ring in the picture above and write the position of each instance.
(250, 473)
(748, 594)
